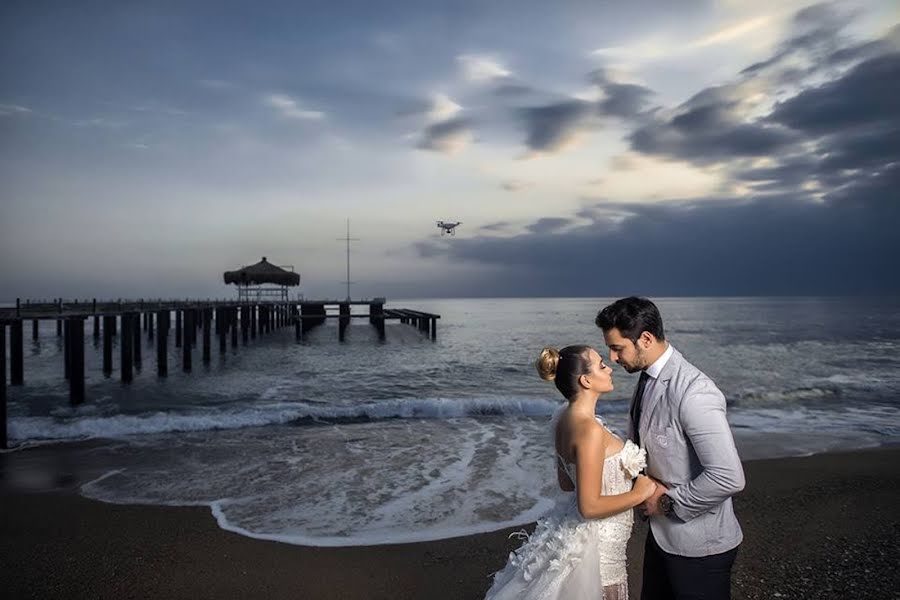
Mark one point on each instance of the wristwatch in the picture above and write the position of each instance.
(666, 505)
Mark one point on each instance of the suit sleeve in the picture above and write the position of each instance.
(702, 415)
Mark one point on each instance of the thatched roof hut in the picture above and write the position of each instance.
(261, 273)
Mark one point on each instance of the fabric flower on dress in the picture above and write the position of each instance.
(633, 459)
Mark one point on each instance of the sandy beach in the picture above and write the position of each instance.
(824, 526)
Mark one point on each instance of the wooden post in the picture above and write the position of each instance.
(162, 355)
(59, 328)
(298, 329)
(35, 329)
(253, 317)
(343, 320)
(223, 331)
(108, 321)
(150, 326)
(245, 325)
(126, 349)
(67, 348)
(16, 351)
(75, 337)
(233, 318)
(136, 338)
(3, 438)
(177, 328)
(207, 322)
(433, 328)
(186, 346)
(96, 325)
(376, 317)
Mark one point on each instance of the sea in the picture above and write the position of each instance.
(369, 441)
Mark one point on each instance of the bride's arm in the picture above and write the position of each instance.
(590, 452)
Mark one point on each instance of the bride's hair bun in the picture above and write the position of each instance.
(547, 362)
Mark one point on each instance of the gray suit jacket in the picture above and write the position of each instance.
(691, 450)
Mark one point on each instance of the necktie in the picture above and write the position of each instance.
(636, 407)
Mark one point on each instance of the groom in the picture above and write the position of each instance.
(678, 415)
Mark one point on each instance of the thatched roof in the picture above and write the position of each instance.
(262, 272)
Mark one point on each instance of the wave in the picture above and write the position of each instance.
(29, 429)
(785, 396)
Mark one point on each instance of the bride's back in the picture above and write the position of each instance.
(572, 429)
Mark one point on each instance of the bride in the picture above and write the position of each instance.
(578, 549)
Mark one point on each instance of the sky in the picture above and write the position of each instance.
(590, 148)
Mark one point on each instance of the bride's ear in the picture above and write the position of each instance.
(584, 382)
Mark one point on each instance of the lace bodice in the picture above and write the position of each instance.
(616, 478)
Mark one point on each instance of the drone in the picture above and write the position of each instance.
(448, 227)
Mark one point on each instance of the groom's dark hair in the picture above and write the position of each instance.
(631, 316)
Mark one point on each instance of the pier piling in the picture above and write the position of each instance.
(136, 339)
(67, 348)
(162, 356)
(108, 327)
(3, 438)
(75, 337)
(126, 349)
(207, 326)
(186, 342)
(16, 354)
(344, 320)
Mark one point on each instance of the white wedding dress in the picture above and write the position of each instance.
(570, 557)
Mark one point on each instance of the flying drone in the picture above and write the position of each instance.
(448, 227)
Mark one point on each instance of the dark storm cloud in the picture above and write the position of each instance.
(694, 136)
(497, 226)
(549, 225)
(815, 32)
(868, 94)
(441, 136)
(816, 134)
(777, 245)
(824, 206)
(625, 100)
(549, 127)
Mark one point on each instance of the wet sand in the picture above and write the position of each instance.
(825, 526)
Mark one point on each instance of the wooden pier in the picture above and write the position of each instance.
(132, 321)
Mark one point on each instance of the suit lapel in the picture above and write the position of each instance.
(660, 388)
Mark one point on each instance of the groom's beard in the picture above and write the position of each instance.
(640, 362)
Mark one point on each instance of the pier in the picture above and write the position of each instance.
(236, 324)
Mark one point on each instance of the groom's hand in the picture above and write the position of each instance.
(650, 507)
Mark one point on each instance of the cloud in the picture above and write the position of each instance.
(732, 32)
(448, 137)
(549, 225)
(289, 108)
(442, 108)
(867, 95)
(551, 127)
(620, 99)
(514, 185)
(774, 245)
(7, 110)
(481, 68)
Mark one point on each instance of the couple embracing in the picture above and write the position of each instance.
(678, 433)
